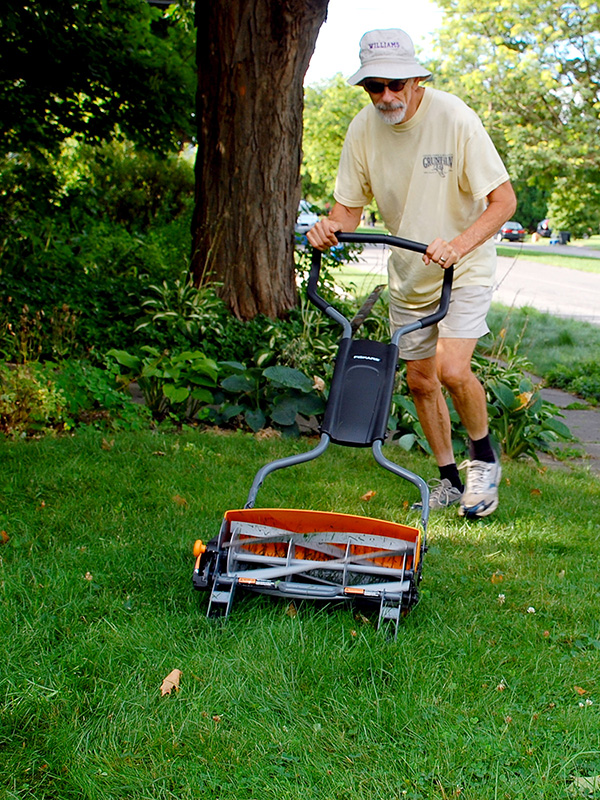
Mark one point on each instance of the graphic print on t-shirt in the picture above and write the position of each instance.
(440, 164)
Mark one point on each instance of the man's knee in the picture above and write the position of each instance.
(422, 380)
(455, 376)
(454, 363)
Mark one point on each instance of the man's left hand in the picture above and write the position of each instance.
(442, 253)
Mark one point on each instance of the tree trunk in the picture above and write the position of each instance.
(252, 58)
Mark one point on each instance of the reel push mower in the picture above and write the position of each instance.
(319, 555)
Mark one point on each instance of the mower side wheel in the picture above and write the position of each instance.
(199, 548)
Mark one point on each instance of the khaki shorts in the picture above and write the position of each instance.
(465, 319)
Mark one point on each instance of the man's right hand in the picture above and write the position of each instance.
(322, 234)
(342, 218)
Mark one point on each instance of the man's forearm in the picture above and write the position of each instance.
(501, 206)
(348, 218)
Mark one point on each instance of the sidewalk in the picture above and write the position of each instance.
(584, 424)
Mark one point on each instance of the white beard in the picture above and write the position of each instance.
(391, 113)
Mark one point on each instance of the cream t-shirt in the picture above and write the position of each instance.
(430, 177)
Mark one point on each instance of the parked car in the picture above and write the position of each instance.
(513, 231)
(544, 229)
(306, 217)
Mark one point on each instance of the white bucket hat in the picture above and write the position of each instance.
(388, 54)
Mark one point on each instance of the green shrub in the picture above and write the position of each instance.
(44, 398)
(95, 396)
(175, 385)
(124, 185)
(181, 311)
(90, 232)
(187, 385)
(274, 396)
(30, 402)
(520, 420)
(581, 378)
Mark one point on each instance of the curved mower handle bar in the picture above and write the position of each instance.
(377, 238)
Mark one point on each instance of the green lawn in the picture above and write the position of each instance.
(492, 689)
(574, 261)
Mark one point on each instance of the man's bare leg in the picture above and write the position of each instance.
(451, 367)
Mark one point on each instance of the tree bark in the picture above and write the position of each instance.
(252, 57)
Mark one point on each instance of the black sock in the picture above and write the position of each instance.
(481, 450)
(450, 471)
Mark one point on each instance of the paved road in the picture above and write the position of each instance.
(561, 291)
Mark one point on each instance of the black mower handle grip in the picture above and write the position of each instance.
(379, 238)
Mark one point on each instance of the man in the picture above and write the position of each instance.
(433, 171)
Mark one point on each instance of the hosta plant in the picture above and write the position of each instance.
(177, 384)
(275, 397)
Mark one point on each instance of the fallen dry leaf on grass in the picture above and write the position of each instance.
(4, 537)
(171, 682)
(586, 787)
(181, 501)
(267, 433)
(368, 495)
(291, 610)
(580, 691)
(497, 577)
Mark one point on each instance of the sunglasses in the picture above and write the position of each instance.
(377, 87)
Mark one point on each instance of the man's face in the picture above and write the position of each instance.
(395, 100)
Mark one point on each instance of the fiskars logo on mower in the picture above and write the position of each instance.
(367, 358)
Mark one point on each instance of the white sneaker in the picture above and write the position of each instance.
(442, 495)
(480, 496)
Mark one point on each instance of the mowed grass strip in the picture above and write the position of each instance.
(490, 691)
(574, 260)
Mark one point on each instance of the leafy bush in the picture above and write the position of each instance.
(574, 204)
(179, 311)
(34, 334)
(188, 385)
(520, 420)
(84, 235)
(581, 378)
(178, 314)
(44, 398)
(273, 396)
(124, 185)
(95, 396)
(178, 385)
(30, 402)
